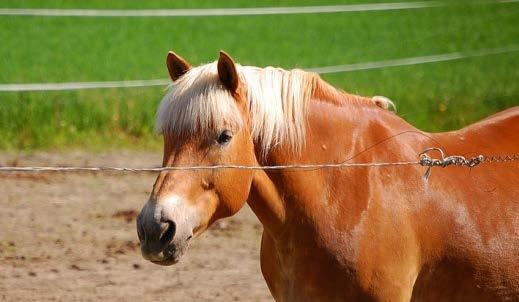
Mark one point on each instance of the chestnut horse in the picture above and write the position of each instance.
(350, 234)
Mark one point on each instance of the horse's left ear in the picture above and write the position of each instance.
(227, 71)
(177, 66)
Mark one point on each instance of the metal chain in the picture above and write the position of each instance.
(444, 161)
(502, 158)
(457, 160)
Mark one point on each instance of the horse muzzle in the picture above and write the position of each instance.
(162, 240)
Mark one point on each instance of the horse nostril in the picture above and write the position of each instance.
(169, 233)
(140, 231)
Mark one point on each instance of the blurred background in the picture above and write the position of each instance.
(72, 236)
(433, 97)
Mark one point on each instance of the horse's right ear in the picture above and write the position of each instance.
(227, 71)
(177, 66)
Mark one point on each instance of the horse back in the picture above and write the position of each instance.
(475, 213)
(497, 177)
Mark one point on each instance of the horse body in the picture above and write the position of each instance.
(386, 234)
(357, 234)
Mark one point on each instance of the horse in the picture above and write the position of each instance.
(370, 233)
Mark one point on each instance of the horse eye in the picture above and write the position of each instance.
(224, 137)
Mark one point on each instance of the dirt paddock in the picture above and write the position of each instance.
(72, 237)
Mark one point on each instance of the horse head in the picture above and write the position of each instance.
(203, 122)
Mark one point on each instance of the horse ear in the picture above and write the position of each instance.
(177, 66)
(227, 71)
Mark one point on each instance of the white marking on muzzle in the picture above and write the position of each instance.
(177, 209)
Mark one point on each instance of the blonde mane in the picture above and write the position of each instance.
(277, 101)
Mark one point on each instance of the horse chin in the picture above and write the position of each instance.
(172, 254)
(167, 262)
(174, 258)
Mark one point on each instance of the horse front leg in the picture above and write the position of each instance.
(388, 265)
(392, 283)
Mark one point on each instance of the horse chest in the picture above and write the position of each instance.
(301, 270)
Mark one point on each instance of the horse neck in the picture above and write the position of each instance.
(338, 128)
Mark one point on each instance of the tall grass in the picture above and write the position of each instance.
(434, 97)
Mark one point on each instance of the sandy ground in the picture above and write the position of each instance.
(72, 237)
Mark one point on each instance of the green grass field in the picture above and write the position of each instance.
(433, 97)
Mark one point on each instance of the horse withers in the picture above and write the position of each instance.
(373, 233)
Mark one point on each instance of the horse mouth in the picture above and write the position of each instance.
(167, 262)
(172, 255)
